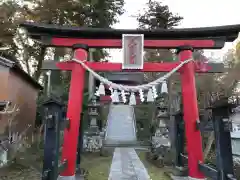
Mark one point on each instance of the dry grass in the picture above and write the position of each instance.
(154, 172)
(27, 164)
(98, 167)
(19, 172)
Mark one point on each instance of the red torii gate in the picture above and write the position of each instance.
(185, 40)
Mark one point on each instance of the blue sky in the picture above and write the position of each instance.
(195, 13)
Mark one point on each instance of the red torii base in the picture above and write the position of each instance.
(190, 110)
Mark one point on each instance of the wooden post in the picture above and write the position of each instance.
(190, 111)
(74, 111)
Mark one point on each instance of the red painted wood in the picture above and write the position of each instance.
(65, 66)
(105, 99)
(194, 142)
(147, 67)
(116, 43)
(74, 110)
(190, 111)
(107, 66)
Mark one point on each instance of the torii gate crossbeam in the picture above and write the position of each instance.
(185, 40)
(194, 140)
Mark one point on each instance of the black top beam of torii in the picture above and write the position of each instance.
(229, 33)
(219, 34)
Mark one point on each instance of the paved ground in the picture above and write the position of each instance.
(179, 178)
(126, 165)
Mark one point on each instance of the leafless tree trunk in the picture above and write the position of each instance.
(39, 65)
(208, 145)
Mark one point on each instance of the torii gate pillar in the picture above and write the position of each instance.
(74, 110)
(190, 114)
(190, 109)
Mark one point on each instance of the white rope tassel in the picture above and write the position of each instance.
(115, 97)
(101, 89)
(150, 95)
(132, 99)
(164, 88)
(141, 95)
(123, 96)
(97, 92)
(155, 95)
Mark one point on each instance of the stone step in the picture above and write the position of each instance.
(121, 124)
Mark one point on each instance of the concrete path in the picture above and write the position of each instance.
(126, 165)
(179, 178)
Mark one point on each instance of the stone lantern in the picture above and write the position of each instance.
(93, 112)
(162, 116)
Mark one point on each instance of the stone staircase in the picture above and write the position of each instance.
(121, 127)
